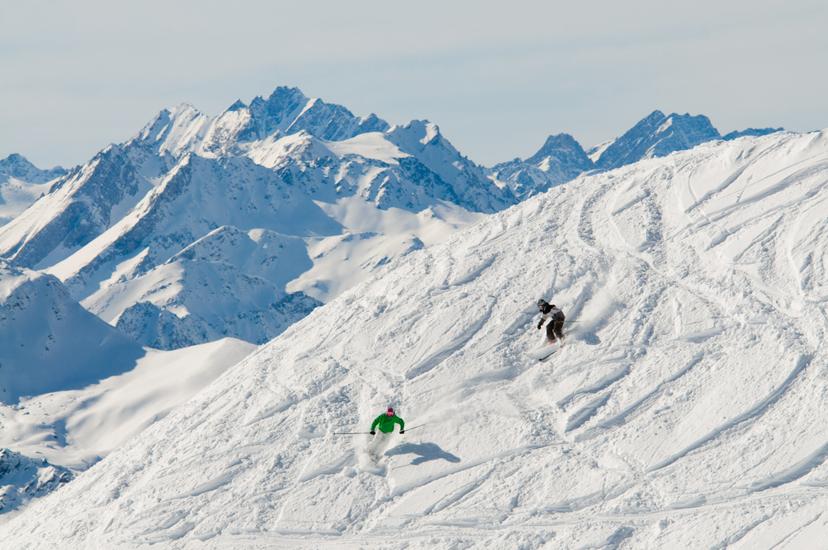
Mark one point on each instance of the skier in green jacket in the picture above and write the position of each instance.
(386, 422)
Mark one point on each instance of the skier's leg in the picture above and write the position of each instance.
(386, 440)
(559, 329)
(550, 332)
(374, 446)
(379, 444)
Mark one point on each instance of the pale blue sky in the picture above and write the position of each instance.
(498, 77)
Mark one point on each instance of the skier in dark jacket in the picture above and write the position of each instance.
(554, 330)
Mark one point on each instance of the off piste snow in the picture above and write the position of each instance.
(682, 407)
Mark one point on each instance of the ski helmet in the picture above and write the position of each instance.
(390, 411)
(541, 302)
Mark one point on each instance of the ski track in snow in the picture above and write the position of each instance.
(757, 410)
(684, 410)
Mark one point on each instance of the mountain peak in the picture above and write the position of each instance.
(560, 159)
(753, 132)
(657, 135)
(66, 346)
(656, 115)
(172, 128)
(282, 99)
(182, 108)
(287, 110)
(14, 163)
(564, 147)
(283, 93)
(17, 166)
(14, 158)
(418, 130)
(237, 105)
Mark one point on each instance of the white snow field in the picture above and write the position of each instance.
(48, 342)
(76, 427)
(687, 408)
(72, 388)
(62, 432)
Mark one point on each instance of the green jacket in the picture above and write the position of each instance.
(386, 423)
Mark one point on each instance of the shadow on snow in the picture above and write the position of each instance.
(425, 452)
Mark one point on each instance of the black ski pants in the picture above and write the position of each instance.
(554, 330)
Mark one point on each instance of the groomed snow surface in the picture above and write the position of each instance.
(686, 409)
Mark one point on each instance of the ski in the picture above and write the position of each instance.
(544, 353)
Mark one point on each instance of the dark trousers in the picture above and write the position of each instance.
(554, 329)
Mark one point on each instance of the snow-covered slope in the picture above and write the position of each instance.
(22, 183)
(685, 410)
(72, 387)
(248, 307)
(48, 342)
(595, 152)
(149, 256)
(434, 161)
(76, 427)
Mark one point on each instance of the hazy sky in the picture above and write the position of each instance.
(498, 77)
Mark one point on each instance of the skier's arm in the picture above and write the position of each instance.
(400, 421)
(542, 321)
(376, 423)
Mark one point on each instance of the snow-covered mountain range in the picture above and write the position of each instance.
(49, 342)
(656, 135)
(145, 233)
(18, 167)
(22, 183)
(562, 158)
(72, 387)
(683, 411)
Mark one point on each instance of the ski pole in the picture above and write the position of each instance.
(350, 433)
(414, 428)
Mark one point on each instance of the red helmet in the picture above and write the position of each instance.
(390, 411)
